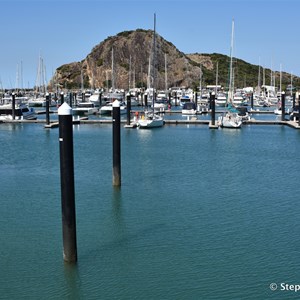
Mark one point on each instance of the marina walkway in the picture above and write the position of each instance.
(192, 121)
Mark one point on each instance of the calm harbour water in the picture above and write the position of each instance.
(201, 214)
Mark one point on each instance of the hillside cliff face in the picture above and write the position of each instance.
(128, 54)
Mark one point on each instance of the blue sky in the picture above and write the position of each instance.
(65, 31)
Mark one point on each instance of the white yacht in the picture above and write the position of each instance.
(238, 99)
(85, 108)
(107, 108)
(221, 99)
(189, 108)
(230, 120)
(40, 102)
(150, 120)
(95, 98)
(22, 112)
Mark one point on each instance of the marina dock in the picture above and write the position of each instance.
(190, 120)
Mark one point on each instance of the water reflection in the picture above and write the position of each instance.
(119, 227)
(12, 127)
(72, 280)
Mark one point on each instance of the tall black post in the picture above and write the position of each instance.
(299, 110)
(75, 99)
(100, 99)
(71, 99)
(196, 99)
(67, 182)
(209, 104)
(128, 100)
(213, 108)
(61, 98)
(251, 100)
(294, 100)
(282, 106)
(47, 109)
(146, 98)
(13, 104)
(116, 143)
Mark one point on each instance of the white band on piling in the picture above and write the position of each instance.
(64, 110)
(116, 103)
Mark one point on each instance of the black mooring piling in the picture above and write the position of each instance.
(116, 143)
(71, 99)
(282, 106)
(67, 182)
(251, 100)
(62, 98)
(128, 100)
(47, 109)
(213, 108)
(100, 99)
(13, 104)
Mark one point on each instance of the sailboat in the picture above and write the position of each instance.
(151, 119)
(230, 119)
(113, 95)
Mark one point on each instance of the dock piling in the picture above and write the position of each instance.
(67, 183)
(13, 104)
(128, 99)
(282, 106)
(116, 143)
(100, 99)
(61, 98)
(47, 109)
(213, 108)
(294, 100)
(71, 99)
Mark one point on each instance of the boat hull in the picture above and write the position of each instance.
(230, 121)
(150, 121)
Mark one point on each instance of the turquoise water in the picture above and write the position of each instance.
(201, 214)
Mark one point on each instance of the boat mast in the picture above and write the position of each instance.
(258, 84)
(271, 74)
(230, 92)
(17, 79)
(200, 83)
(280, 79)
(166, 75)
(21, 76)
(217, 71)
(154, 63)
(129, 75)
(291, 84)
(149, 76)
(81, 78)
(112, 71)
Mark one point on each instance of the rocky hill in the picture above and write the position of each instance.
(131, 51)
